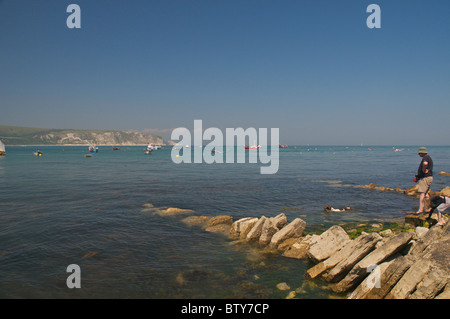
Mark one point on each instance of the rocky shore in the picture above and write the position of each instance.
(410, 261)
(391, 264)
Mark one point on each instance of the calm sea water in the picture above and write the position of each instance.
(58, 208)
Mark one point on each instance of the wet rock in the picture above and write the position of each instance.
(444, 173)
(199, 221)
(420, 219)
(219, 228)
(220, 219)
(174, 211)
(283, 286)
(295, 248)
(291, 295)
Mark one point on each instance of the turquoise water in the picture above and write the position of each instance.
(57, 208)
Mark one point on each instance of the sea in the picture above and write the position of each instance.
(64, 209)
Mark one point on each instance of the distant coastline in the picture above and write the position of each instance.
(81, 145)
(28, 136)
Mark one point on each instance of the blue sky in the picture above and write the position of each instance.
(310, 68)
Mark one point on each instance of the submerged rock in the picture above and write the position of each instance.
(283, 286)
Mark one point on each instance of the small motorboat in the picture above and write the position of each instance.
(37, 153)
(87, 155)
(116, 148)
(93, 148)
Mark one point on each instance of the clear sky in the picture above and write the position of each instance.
(313, 69)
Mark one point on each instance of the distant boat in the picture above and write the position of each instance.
(116, 148)
(147, 151)
(2, 149)
(37, 153)
(282, 146)
(252, 147)
(87, 155)
(153, 147)
(93, 148)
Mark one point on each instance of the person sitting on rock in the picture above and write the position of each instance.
(441, 203)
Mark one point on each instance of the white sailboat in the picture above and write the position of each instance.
(2, 148)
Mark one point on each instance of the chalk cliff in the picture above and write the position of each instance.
(13, 135)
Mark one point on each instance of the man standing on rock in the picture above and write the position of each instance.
(424, 176)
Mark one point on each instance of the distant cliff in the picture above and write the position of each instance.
(17, 135)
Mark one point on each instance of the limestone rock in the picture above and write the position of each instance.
(328, 243)
(359, 271)
(293, 229)
(200, 221)
(283, 286)
(391, 276)
(174, 211)
(298, 249)
(446, 191)
(280, 220)
(444, 173)
(239, 227)
(370, 283)
(219, 228)
(410, 280)
(220, 219)
(421, 231)
(255, 232)
(268, 230)
(363, 245)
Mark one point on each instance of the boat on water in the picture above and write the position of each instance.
(37, 153)
(116, 148)
(87, 155)
(2, 149)
(93, 148)
(252, 147)
(154, 147)
(282, 146)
